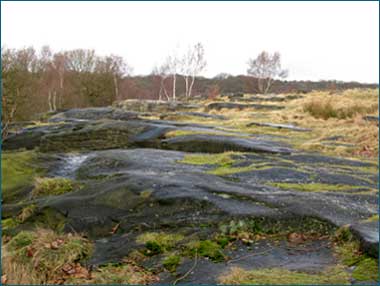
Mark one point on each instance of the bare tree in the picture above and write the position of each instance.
(192, 63)
(163, 73)
(222, 76)
(172, 65)
(114, 66)
(266, 68)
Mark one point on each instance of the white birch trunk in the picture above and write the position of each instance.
(174, 86)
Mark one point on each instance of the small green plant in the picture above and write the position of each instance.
(223, 241)
(171, 262)
(153, 248)
(235, 227)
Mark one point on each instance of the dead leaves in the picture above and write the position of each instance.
(70, 272)
(76, 271)
(296, 238)
(54, 244)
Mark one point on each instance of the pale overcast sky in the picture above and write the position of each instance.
(317, 40)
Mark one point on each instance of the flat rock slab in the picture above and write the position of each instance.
(240, 106)
(218, 143)
(279, 126)
(372, 118)
(196, 114)
(269, 98)
(85, 134)
(94, 114)
(154, 105)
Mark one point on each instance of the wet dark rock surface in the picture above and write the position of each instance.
(94, 114)
(154, 105)
(372, 118)
(219, 143)
(270, 98)
(314, 256)
(196, 114)
(182, 194)
(134, 176)
(280, 126)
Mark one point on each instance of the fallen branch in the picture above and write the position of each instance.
(188, 272)
(249, 255)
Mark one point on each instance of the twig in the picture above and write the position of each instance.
(249, 255)
(309, 249)
(188, 272)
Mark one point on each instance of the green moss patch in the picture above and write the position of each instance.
(228, 170)
(206, 248)
(272, 276)
(18, 172)
(158, 242)
(52, 186)
(222, 159)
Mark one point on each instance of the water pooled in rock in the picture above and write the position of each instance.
(70, 164)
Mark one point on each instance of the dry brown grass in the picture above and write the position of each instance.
(40, 256)
(347, 108)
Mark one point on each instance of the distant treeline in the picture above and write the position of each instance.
(147, 87)
(36, 82)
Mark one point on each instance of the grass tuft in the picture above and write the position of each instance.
(324, 108)
(315, 187)
(44, 253)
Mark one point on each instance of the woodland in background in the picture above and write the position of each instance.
(35, 82)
